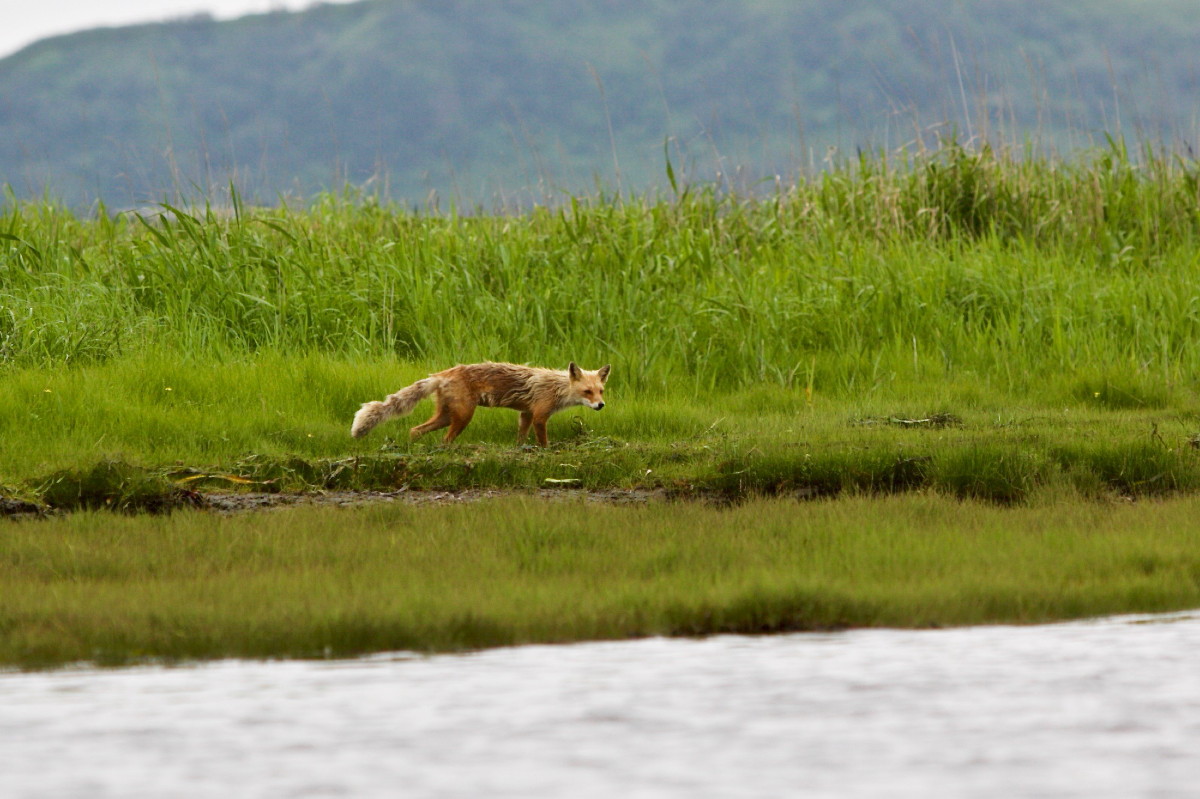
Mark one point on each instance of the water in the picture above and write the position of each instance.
(1093, 709)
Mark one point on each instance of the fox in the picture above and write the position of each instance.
(538, 393)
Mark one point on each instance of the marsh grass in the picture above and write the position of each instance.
(320, 582)
(988, 360)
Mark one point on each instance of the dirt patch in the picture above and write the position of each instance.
(238, 502)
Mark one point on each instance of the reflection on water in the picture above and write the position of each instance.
(1103, 708)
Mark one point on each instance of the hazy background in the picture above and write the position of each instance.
(509, 102)
(26, 22)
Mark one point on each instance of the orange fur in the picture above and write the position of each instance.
(536, 392)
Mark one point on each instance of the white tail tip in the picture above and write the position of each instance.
(369, 415)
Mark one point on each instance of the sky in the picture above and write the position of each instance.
(26, 21)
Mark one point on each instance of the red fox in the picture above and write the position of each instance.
(536, 392)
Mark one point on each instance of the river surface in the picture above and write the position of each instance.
(1106, 708)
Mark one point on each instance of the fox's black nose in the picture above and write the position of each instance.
(599, 405)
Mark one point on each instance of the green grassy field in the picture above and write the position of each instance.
(960, 324)
(140, 433)
(314, 582)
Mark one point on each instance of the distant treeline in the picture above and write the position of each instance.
(506, 102)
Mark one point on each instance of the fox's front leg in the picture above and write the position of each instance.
(539, 428)
(523, 425)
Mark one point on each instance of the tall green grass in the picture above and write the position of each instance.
(957, 263)
(326, 582)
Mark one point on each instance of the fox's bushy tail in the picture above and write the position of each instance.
(398, 404)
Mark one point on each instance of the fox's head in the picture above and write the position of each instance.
(588, 387)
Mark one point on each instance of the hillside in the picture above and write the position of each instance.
(504, 102)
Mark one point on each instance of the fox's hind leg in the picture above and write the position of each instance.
(460, 417)
(440, 419)
(523, 426)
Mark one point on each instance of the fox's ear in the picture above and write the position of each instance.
(603, 373)
(573, 371)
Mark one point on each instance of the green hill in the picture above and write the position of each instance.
(506, 102)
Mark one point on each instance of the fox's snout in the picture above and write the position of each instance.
(598, 406)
